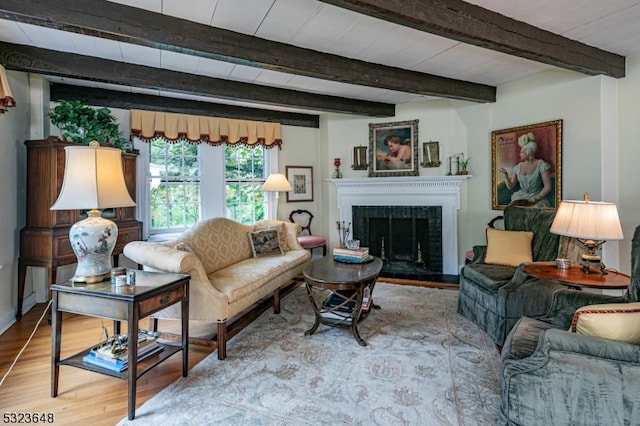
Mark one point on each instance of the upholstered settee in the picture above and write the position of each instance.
(579, 364)
(232, 267)
(494, 295)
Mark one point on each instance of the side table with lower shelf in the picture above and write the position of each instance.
(349, 281)
(153, 292)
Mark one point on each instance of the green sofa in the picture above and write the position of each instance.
(551, 376)
(494, 297)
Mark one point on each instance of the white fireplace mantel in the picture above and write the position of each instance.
(443, 191)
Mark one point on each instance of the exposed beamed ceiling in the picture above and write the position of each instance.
(306, 56)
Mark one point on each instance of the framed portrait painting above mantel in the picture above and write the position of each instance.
(526, 166)
(393, 149)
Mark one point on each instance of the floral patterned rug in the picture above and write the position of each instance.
(424, 365)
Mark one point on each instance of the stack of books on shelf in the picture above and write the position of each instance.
(336, 306)
(344, 254)
(112, 354)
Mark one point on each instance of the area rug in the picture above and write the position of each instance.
(424, 365)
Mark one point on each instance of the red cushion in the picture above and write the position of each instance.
(311, 241)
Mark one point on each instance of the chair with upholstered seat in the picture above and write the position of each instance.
(306, 238)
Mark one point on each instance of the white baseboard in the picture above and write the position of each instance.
(9, 318)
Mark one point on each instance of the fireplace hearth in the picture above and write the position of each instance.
(407, 238)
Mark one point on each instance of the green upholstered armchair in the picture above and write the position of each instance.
(494, 297)
(553, 376)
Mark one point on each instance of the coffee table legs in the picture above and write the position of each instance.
(353, 319)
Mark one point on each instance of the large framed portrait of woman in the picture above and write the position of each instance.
(526, 166)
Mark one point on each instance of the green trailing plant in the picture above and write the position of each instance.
(463, 162)
(81, 123)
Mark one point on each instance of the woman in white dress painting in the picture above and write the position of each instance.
(533, 174)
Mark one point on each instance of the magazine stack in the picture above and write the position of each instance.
(343, 254)
(339, 307)
(112, 354)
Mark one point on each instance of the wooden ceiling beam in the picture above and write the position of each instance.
(129, 100)
(127, 24)
(55, 63)
(471, 24)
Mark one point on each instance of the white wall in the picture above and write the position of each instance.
(14, 130)
(587, 106)
(629, 156)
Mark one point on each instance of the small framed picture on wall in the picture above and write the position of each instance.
(301, 180)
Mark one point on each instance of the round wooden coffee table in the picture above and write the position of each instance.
(575, 278)
(337, 290)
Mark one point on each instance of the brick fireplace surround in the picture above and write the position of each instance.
(443, 191)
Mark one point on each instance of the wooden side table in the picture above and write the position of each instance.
(153, 292)
(575, 278)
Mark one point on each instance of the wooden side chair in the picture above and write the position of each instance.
(306, 239)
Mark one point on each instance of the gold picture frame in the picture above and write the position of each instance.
(431, 154)
(509, 150)
(393, 149)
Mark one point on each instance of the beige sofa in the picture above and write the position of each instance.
(226, 278)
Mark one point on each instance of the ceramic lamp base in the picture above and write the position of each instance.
(92, 240)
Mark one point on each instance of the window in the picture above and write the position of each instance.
(244, 177)
(174, 185)
(188, 182)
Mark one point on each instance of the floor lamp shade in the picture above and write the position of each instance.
(93, 180)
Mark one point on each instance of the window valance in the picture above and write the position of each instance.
(6, 98)
(200, 129)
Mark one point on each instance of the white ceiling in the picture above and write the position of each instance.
(609, 25)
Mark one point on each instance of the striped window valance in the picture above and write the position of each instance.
(148, 125)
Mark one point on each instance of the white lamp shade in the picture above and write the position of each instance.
(277, 182)
(587, 220)
(93, 179)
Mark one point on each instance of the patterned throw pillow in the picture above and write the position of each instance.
(282, 231)
(508, 248)
(265, 243)
(613, 321)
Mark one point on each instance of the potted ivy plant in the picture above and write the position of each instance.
(81, 123)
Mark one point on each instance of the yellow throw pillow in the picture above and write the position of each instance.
(508, 248)
(613, 321)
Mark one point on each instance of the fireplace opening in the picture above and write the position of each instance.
(407, 238)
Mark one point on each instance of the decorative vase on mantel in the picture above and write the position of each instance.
(337, 174)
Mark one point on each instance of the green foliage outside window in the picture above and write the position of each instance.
(175, 185)
(244, 174)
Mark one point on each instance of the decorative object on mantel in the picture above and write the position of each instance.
(431, 154)
(533, 151)
(83, 124)
(463, 164)
(6, 98)
(359, 158)
(337, 174)
(393, 149)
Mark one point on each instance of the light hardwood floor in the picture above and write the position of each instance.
(84, 398)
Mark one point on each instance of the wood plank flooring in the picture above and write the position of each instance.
(86, 398)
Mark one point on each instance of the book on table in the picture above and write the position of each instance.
(355, 256)
(338, 306)
(113, 353)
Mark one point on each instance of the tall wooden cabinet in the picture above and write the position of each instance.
(44, 241)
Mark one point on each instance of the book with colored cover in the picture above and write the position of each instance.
(143, 349)
(362, 252)
(116, 346)
(118, 365)
(337, 303)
